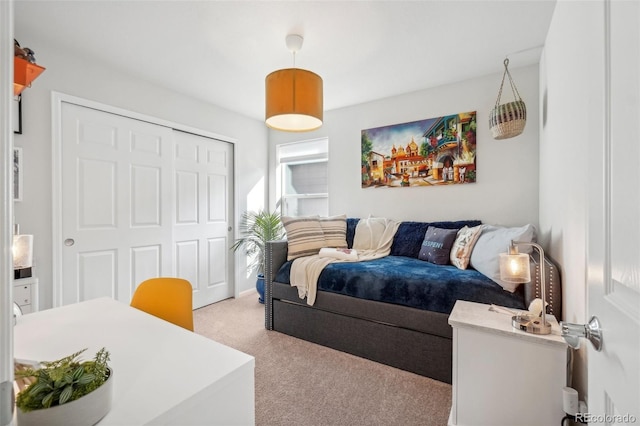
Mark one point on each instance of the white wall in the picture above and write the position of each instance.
(74, 75)
(506, 191)
(566, 84)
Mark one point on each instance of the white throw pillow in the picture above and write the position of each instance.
(369, 232)
(495, 240)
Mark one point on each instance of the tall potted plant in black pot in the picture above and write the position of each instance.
(256, 228)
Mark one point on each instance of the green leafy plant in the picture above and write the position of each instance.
(62, 381)
(256, 228)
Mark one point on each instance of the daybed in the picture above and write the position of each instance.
(392, 310)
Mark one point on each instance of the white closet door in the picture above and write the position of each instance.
(116, 202)
(141, 200)
(203, 171)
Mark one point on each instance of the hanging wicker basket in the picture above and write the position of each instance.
(508, 120)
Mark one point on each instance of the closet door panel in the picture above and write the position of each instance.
(116, 222)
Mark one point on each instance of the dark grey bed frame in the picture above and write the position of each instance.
(407, 338)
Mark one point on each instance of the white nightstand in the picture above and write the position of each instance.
(504, 376)
(25, 294)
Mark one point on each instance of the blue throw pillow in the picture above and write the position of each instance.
(409, 236)
(437, 244)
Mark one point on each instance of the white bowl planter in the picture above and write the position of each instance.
(85, 411)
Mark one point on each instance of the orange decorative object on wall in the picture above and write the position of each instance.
(24, 72)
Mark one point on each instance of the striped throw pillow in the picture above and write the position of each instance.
(304, 235)
(335, 231)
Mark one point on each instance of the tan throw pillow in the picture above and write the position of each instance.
(335, 230)
(463, 246)
(304, 235)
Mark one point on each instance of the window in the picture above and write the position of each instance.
(304, 187)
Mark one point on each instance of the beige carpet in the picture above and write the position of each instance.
(301, 383)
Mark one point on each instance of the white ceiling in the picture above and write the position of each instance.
(221, 51)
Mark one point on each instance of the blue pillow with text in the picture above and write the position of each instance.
(437, 244)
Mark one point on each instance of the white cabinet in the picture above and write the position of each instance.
(25, 294)
(504, 376)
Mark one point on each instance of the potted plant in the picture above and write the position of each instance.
(66, 391)
(256, 228)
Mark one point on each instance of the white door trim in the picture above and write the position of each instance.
(6, 218)
(57, 99)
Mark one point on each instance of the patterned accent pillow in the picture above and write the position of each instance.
(436, 246)
(463, 246)
(304, 236)
(335, 231)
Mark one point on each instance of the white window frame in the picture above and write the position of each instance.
(302, 152)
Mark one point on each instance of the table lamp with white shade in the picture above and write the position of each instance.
(22, 250)
(514, 268)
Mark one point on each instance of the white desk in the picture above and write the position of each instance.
(163, 373)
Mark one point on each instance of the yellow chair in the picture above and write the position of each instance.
(168, 298)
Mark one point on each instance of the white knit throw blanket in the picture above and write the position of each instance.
(372, 240)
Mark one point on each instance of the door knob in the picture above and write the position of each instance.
(591, 331)
(69, 242)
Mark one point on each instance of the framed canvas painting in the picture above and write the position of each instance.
(17, 174)
(434, 151)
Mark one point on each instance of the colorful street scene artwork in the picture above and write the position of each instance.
(435, 151)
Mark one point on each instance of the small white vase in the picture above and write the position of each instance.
(84, 411)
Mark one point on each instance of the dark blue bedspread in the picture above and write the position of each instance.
(411, 282)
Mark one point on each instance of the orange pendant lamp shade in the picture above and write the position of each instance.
(293, 100)
(293, 95)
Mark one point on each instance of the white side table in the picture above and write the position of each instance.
(25, 294)
(504, 376)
